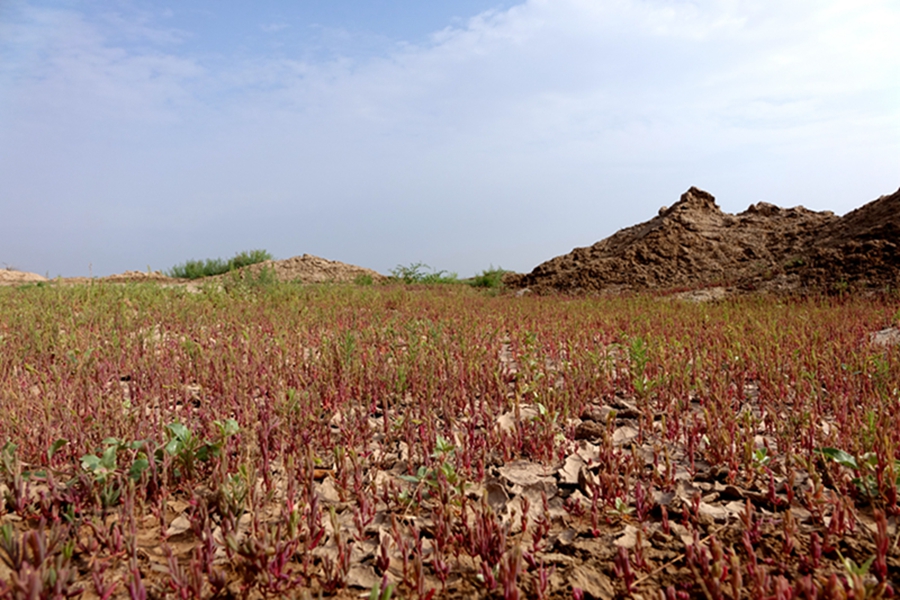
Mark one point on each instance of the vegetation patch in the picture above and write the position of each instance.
(422, 273)
(491, 278)
(195, 269)
(269, 439)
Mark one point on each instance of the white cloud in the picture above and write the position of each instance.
(518, 134)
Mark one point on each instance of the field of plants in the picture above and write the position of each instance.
(410, 441)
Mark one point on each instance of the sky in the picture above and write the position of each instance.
(462, 134)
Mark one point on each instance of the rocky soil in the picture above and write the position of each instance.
(694, 245)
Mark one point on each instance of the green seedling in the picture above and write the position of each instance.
(104, 465)
(761, 458)
(622, 509)
(187, 448)
(865, 466)
(382, 591)
(235, 491)
(852, 568)
(104, 468)
(443, 450)
(639, 354)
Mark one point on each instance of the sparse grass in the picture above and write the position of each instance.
(750, 447)
(195, 269)
(250, 280)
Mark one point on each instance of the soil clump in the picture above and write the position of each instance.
(695, 245)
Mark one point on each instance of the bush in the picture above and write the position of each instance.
(490, 278)
(415, 273)
(195, 269)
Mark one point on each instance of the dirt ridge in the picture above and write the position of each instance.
(694, 244)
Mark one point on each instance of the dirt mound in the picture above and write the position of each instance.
(312, 269)
(859, 250)
(138, 277)
(14, 277)
(694, 244)
(124, 277)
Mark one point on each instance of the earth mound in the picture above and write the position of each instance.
(312, 269)
(694, 244)
(9, 276)
(138, 277)
(861, 249)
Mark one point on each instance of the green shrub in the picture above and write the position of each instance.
(415, 273)
(490, 278)
(245, 258)
(195, 269)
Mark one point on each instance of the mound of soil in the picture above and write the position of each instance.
(861, 249)
(124, 277)
(304, 269)
(312, 269)
(138, 277)
(694, 244)
(15, 277)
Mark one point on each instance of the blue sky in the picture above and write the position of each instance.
(461, 134)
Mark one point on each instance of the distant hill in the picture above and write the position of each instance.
(694, 244)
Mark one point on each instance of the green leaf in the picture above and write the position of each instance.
(862, 569)
(174, 446)
(443, 446)
(840, 457)
(207, 451)
(90, 462)
(228, 428)
(137, 469)
(179, 431)
(108, 461)
(55, 446)
(421, 474)
(869, 459)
